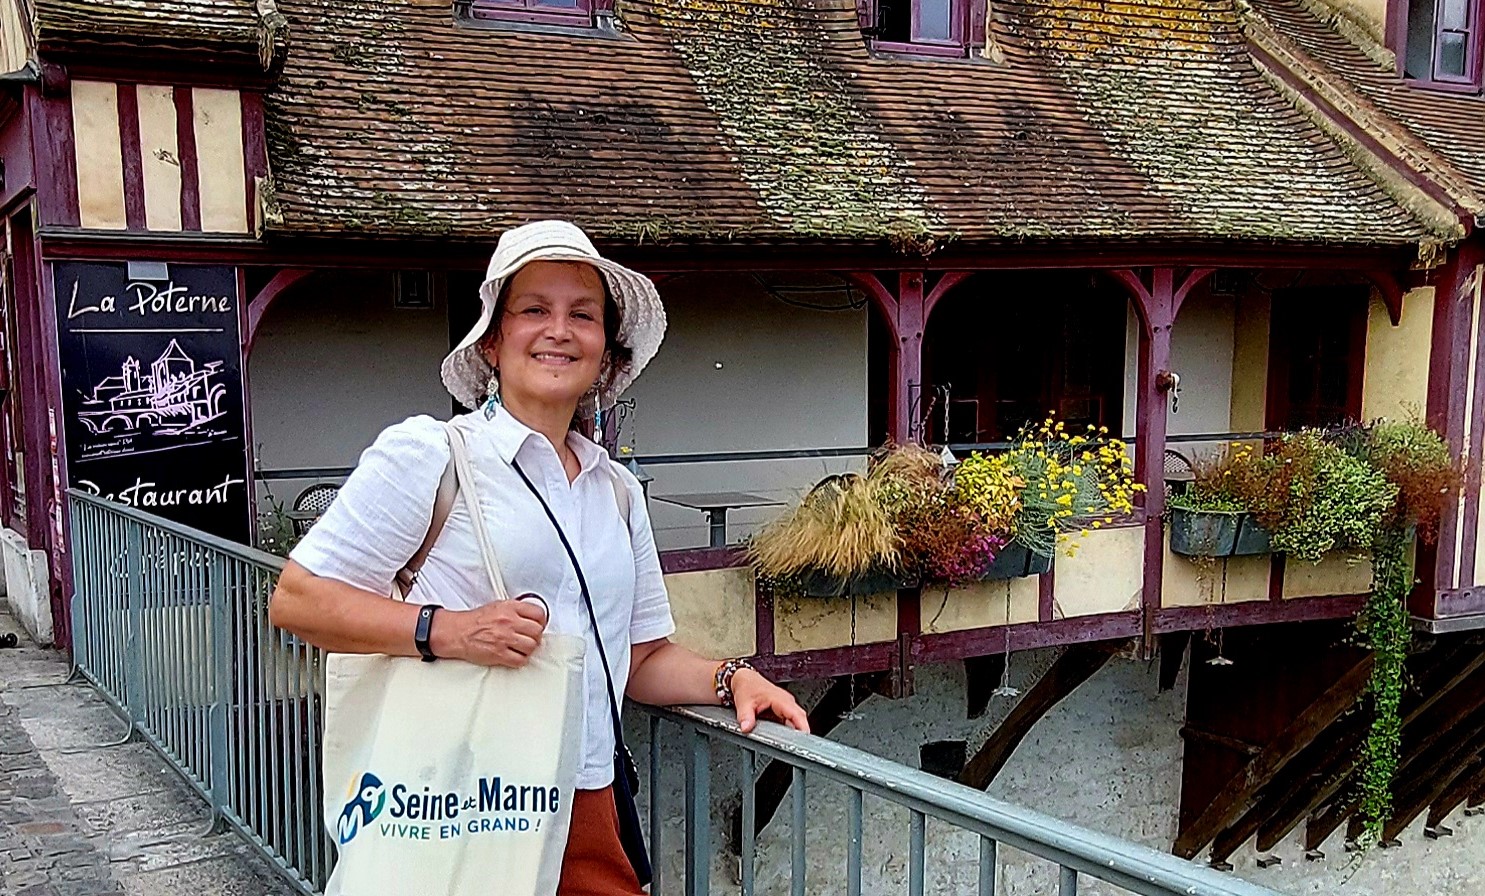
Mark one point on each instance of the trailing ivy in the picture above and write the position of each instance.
(1386, 629)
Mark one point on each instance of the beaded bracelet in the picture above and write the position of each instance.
(723, 679)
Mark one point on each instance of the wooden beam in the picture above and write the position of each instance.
(982, 675)
(1451, 715)
(1427, 776)
(1237, 796)
(1468, 781)
(1330, 768)
(1172, 654)
(1076, 665)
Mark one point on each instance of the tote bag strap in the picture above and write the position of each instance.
(443, 505)
(465, 473)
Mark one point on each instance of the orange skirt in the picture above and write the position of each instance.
(595, 864)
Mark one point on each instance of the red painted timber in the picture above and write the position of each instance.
(1026, 636)
(347, 251)
(828, 663)
(255, 150)
(1258, 612)
(1471, 487)
(1046, 595)
(56, 161)
(264, 300)
(700, 559)
(133, 156)
(1448, 372)
(185, 146)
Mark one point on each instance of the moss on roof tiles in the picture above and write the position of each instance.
(768, 121)
(817, 159)
(1178, 98)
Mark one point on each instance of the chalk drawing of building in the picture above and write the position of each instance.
(175, 396)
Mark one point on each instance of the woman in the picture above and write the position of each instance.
(563, 332)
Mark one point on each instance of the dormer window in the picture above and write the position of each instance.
(922, 27)
(577, 13)
(1441, 42)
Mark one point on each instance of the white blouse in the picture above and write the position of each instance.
(382, 514)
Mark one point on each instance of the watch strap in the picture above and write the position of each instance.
(420, 634)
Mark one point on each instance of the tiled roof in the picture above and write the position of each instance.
(198, 21)
(1442, 130)
(768, 121)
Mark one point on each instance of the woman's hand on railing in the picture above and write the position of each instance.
(755, 695)
(500, 633)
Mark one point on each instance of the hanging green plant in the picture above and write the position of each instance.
(1417, 464)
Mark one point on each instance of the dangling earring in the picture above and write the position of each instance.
(492, 395)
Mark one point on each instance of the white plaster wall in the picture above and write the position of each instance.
(335, 363)
(1108, 758)
(789, 377)
(26, 586)
(1201, 352)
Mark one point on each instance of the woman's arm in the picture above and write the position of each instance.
(662, 673)
(345, 619)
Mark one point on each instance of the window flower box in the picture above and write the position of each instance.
(1216, 533)
(1016, 561)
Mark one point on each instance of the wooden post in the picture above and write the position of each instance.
(906, 423)
(1448, 382)
(1158, 303)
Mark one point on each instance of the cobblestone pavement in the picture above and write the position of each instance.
(85, 813)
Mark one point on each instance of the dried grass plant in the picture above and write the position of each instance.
(841, 527)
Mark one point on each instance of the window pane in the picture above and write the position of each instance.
(934, 19)
(1418, 61)
(555, 4)
(1454, 14)
(1451, 54)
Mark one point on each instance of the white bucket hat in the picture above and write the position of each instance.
(466, 373)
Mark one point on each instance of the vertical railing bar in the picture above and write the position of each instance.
(988, 849)
(698, 813)
(277, 721)
(1067, 881)
(316, 719)
(296, 776)
(260, 764)
(915, 854)
(796, 835)
(218, 718)
(656, 828)
(134, 560)
(747, 852)
(206, 684)
(854, 846)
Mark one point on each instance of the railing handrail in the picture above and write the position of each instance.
(205, 539)
(1102, 856)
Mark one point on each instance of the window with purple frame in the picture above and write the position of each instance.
(1440, 41)
(923, 27)
(549, 12)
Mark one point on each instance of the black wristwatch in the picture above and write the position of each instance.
(420, 634)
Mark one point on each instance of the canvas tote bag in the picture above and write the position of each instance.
(447, 778)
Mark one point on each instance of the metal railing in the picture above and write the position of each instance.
(170, 624)
(1075, 852)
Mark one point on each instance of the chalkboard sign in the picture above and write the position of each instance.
(152, 396)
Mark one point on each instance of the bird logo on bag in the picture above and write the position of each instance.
(366, 802)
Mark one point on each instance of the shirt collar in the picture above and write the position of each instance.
(510, 435)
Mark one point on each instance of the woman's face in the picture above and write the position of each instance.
(549, 344)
